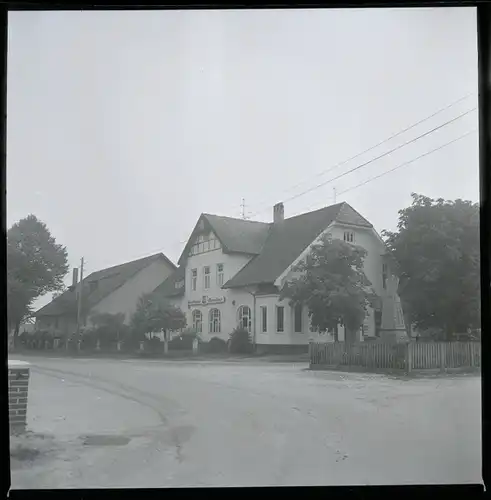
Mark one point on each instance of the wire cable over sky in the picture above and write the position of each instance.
(332, 179)
(397, 134)
(406, 163)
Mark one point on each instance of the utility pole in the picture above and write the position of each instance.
(80, 289)
(242, 206)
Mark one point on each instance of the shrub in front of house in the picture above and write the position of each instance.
(240, 341)
(37, 340)
(23, 339)
(215, 345)
(183, 341)
(154, 344)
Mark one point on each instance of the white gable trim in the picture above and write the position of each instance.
(283, 275)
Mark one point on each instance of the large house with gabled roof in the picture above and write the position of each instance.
(231, 271)
(112, 290)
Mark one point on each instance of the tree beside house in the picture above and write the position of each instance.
(36, 265)
(437, 250)
(333, 286)
(155, 315)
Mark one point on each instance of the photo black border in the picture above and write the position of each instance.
(431, 491)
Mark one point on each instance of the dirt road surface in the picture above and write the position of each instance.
(140, 423)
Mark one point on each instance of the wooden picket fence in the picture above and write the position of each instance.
(407, 357)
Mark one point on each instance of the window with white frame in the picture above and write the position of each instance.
(215, 324)
(198, 321)
(206, 277)
(220, 274)
(244, 318)
(280, 319)
(349, 236)
(264, 319)
(297, 318)
(194, 279)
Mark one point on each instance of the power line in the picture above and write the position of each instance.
(409, 162)
(406, 163)
(374, 159)
(343, 162)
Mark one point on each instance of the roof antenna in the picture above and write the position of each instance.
(334, 191)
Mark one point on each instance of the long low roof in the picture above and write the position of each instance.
(108, 280)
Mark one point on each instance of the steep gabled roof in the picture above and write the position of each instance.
(288, 239)
(348, 215)
(235, 235)
(108, 280)
(239, 235)
(168, 287)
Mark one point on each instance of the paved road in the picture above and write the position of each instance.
(244, 424)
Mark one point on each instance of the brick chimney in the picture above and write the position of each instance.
(278, 213)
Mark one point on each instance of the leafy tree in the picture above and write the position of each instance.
(36, 264)
(331, 282)
(436, 247)
(154, 314)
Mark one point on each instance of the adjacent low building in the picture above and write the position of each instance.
(112, 290)
(231, 272)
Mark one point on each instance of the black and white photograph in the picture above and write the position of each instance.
(243, 248)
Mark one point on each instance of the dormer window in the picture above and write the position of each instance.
(349, 236)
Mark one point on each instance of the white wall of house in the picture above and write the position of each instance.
(234, 298)
(125, 298)
(232, 264)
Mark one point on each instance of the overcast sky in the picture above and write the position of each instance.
(123, 127)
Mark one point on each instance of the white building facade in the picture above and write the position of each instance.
(231, 272)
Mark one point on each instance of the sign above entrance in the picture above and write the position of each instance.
(206, 301)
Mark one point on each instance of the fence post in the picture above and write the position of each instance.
(409, 357)
(442, 356)
(310, 353)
